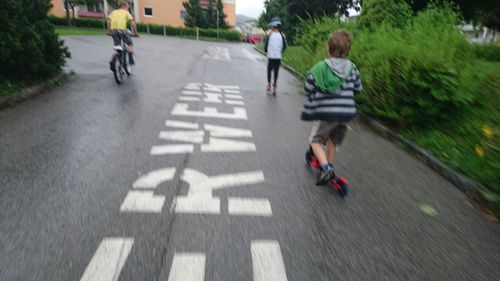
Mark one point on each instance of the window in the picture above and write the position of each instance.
(96, 8)
(183, 14)
(148, 12)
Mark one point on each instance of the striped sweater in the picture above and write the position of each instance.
(330, 89)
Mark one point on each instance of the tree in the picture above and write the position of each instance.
(211, 15)
(29, 49)
(375, 12)
(195, 14)
(273, 9)
(222, 16)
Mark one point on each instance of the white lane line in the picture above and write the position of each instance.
(172, 149)
(191, 93)
(183, 136)
(142, 202)
(154, 178)
(182, 125)
(226, 145)
(249, 207)
(232, 91)
(182, 109)
(267, 261)
(187, 267)
(193, 86)
(222, 131)
(235, 97)
(189, 99)
(234, 102)
(108, 260)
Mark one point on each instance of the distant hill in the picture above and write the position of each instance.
(242, 19)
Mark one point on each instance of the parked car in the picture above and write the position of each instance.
(255, 38)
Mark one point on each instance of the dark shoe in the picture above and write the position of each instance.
(131, 59)
(326, 176)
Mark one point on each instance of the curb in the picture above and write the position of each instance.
(471, 188)
(32, 91)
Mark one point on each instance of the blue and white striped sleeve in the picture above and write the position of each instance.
(309, 86)
(358, 87)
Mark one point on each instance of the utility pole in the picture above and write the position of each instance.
(66, 7)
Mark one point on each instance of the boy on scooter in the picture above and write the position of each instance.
(330, 89)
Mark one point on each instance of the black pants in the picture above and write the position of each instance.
(273, 65)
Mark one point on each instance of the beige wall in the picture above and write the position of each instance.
(167, 12)
(230, 11)
(58, 9)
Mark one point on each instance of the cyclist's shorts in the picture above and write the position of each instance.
(119, 35)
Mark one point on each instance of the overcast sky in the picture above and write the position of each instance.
(251, 8)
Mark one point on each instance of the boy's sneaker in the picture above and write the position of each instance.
(326, 175)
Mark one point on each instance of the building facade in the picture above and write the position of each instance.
(164, 12)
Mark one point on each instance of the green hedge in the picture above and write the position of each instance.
(229, 35)
(487, 52)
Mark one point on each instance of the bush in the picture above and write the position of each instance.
(29, 47)
(487, 52)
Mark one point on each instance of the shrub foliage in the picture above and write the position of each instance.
(29, 48)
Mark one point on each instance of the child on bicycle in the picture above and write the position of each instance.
(330, 88)
(117, 23)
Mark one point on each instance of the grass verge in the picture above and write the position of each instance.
(78, 31)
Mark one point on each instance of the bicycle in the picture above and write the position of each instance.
(120, 61)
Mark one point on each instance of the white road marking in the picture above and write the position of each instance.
(200, 183)
(226, 145)
(189, 99)
(199, 199)
(212, 88)
(235, 97)
(249, 207)
(234, 102)
(187, 267)
(222, 131)
(172, 149)
(197, 205)
(267, 261)
(192, 93)
(182, 109)
(232, 91)
(182, 125)
(183, 136)
(193, 86)
(213, 98)
(154, 178)
(108, 260)
(142, 202)
(218, 53)
(230, 87)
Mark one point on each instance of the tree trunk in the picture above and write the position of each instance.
(66, 6)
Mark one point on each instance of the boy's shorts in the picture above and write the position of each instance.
(119, 35)
(323, 131)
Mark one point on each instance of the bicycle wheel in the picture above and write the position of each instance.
(126, 65)
(118, 73)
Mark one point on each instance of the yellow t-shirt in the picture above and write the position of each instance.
(119, 19)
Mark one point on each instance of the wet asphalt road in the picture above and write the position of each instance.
(69, 158)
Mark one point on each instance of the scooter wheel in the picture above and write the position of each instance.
(342, 186)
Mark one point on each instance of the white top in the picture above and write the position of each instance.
(275, 45)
